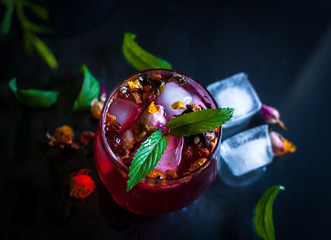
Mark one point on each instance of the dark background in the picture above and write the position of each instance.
(284, 46)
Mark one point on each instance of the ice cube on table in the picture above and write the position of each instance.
(172, 155)
(173, 93)
(236, 92)
(125, 111)
(247, 150)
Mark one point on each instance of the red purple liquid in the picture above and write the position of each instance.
(152, 195)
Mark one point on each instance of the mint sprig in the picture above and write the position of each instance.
(198, 122)
(34, 97)
(29, 29)
(146, 158)
(138, 57)
(263, 222)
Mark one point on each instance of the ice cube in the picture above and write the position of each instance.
(172, 155)
(238, 93)
(173, 93)
(247, 151)
(125, 111)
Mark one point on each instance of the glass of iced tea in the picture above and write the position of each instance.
(138, 106)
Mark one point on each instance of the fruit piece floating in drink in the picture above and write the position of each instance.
(156, 141)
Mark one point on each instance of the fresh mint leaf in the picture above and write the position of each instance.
(263, 222)
(146, 158)
(198, 122)
(138, 57)
(32, 97)
(89, 91)
(7, 17)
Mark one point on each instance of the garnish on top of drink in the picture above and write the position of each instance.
(161, 126)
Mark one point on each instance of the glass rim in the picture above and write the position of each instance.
(125, 169)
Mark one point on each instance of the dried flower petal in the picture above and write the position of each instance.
(136, 84)
(198, 163)
(128, 140)
(64, 134)
(289, 147)
(156, 76)
(281, 145)
(152, 108)
(193, 107)
(156, 174)
(110, 118)
(103, 92)
(136, 97)
(152, 118)
(86, 137)
(81, 185)
(62, 137)
(178, 105)
(171, 174)
(271, 116)
(213, 144)
(96, 108)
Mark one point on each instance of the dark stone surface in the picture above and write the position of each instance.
(284, 46)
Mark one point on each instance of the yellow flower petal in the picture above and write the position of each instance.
(289, 147)
(178, 105)
(110, 118)
(152, 108)
(134, 84)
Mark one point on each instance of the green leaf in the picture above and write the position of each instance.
(263, 222)
(39, 10)
(34, 98)
(198, 122)
(90, 90)
(138, 57)
(28, 25)
(146, 158)
(7, 17)
(44, 52)
(28, 45)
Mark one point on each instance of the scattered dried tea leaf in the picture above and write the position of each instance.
(193, 107)
(81, 184)
(171, 174)
(198, 163)
(156, 174)
(128, 140)
(86, 137)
